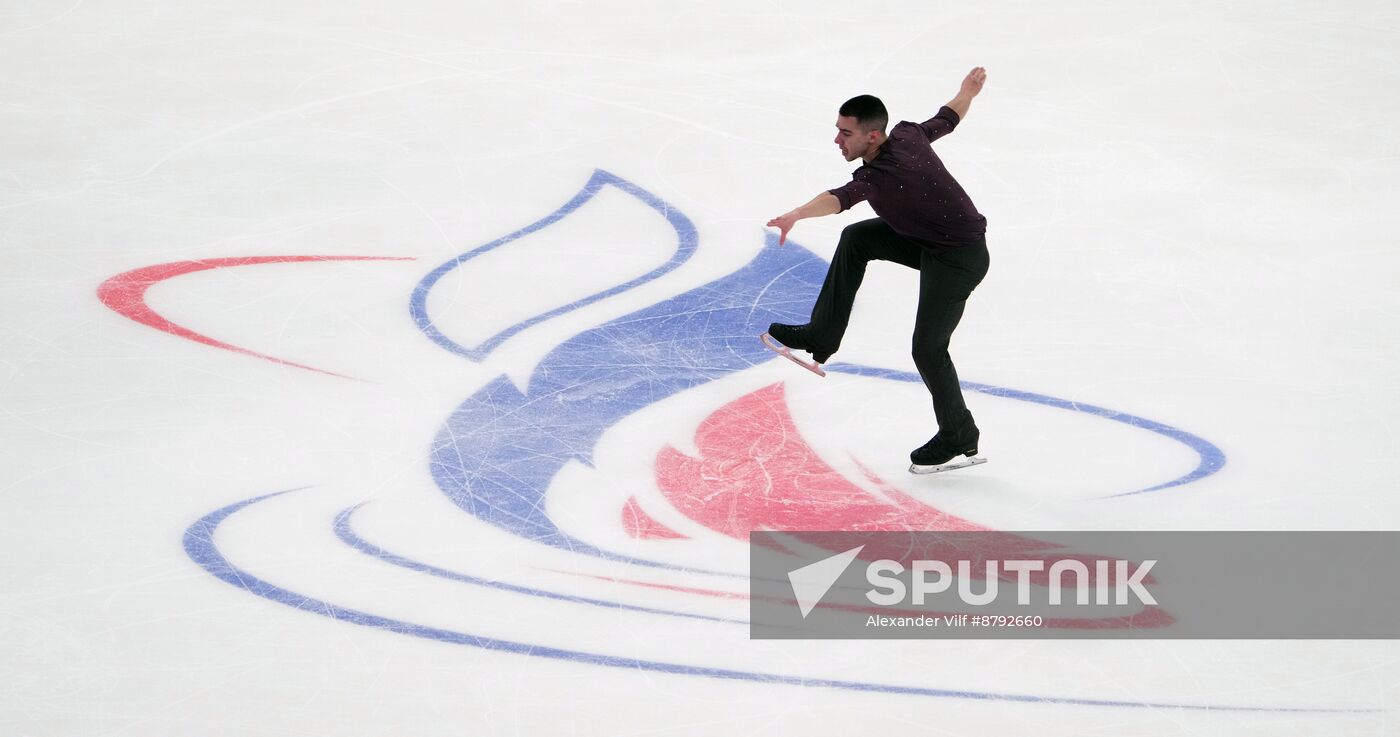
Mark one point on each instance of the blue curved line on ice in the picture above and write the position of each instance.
(687, 240)
(347, 535)
(1212, 458)
(200, 547)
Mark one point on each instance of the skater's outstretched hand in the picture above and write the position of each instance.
(972, 83)
(823, 204)
(784, 223)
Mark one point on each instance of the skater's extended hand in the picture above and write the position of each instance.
(783, 223)
(972, 83)
(823, 204)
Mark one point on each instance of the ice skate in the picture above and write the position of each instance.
(937, 456)
(783, 339)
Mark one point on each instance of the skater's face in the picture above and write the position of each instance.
(855, 142)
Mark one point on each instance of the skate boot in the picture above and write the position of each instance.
(798, 337)
(784, 339)
(937, 455)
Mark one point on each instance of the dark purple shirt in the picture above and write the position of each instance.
(909, 188)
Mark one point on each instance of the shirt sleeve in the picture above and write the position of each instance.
(855, 191)
(940, 125)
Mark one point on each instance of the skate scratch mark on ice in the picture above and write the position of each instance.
(758, 298)
(199, 546)
(125, 294)
(417, 205)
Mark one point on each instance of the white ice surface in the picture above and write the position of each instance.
(1192, 220)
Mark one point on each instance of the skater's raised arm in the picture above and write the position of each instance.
(941, 125)
(971, 85)
(823, 204)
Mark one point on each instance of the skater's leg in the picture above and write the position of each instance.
(861, 243)
(946, 279)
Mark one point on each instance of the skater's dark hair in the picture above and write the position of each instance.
(868, 111)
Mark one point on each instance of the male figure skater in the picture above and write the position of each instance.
(926, 222)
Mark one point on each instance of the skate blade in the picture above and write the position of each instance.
(950, 466)
(773, 345)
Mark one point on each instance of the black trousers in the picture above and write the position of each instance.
(947, 277)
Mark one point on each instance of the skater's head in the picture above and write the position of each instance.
(860, 127)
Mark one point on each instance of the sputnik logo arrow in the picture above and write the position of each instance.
(811, 582)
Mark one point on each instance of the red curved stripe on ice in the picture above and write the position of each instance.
(125, 294)
(755, 472)
(643, 526)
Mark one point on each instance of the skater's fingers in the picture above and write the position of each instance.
(782, 227)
